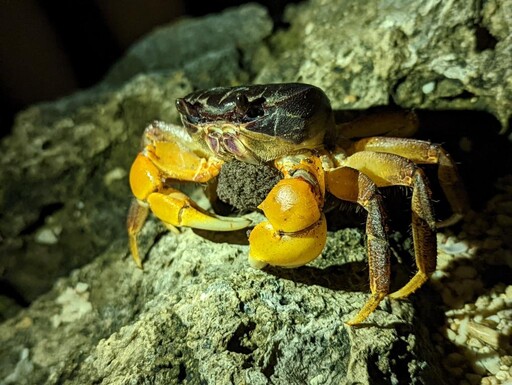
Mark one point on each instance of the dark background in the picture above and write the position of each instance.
(49, 49)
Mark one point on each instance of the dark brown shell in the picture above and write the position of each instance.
(291, 111)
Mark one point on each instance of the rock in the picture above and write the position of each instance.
(199, 314)
(423, 54)
(195, 47)
(60, 164)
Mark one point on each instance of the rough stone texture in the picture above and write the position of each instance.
(423, 54)
(63, 186)
(198, 313)
(195, 47)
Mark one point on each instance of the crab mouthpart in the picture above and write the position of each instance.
(228, 145)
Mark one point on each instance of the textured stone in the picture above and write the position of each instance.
(63, 190)
(422, 54)
(199, 314)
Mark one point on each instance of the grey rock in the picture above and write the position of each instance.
(196, 47)
(199, 314)
(63, 186)
(419, 54)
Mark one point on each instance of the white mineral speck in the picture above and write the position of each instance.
(453, 248)
(46, 236)
(427, 88)
(113, 175)
(81, 287)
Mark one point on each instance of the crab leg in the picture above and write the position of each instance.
(157, 163)
(387, 170)
(351, 185)
(423, 152)
(296, 230)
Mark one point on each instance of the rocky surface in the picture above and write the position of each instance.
(198, 313)
(429, 54)
(63, 190)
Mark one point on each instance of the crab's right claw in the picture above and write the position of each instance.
(176, 209)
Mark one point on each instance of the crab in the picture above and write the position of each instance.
(291, 127)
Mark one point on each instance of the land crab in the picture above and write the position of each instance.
(291, 126)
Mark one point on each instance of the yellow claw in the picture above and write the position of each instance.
(176, 209)
(269, 246)
(291, 205)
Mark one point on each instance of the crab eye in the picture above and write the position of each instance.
(253, 109)
(188, 110)
(242, 103)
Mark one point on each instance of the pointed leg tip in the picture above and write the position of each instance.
(455, 218)
(137, 261)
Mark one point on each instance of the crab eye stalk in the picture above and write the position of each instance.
(183, 107)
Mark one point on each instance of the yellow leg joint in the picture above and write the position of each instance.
(144, 177)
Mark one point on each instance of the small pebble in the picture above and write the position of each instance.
(482, 302)
(427, 88)
(491, 363)
(508, 292)
(46, 236)
(483, 333)
(475, 343)
(452, 248)
(501, 375)
(489, 381)
(496, 304)
(81, 287)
